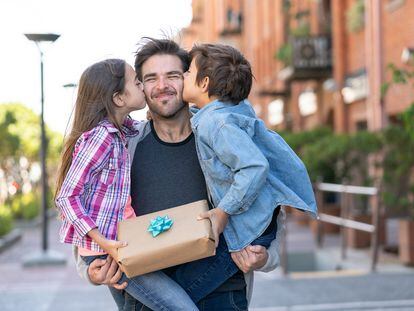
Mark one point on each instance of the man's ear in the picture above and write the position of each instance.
(117, 99)
(204, 84)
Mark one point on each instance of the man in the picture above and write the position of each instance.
(166, 172)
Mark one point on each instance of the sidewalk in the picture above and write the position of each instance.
(353, 287)
(46, 288)
(60, 288)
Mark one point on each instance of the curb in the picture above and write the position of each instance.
(10, 238)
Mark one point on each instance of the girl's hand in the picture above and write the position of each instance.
(218, 219)
(111, 247)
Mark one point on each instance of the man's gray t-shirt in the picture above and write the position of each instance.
(165, 175)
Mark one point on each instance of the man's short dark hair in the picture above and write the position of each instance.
(229, 72)
(149, 47)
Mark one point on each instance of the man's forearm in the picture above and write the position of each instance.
(273, 251)
(81, 266)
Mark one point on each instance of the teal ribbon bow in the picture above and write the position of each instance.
(160, 225)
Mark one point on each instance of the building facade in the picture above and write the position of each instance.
(315, 62)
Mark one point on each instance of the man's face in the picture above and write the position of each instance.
(162, 76)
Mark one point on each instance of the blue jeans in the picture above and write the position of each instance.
(200, 278)
(156, 290)
(223, 300)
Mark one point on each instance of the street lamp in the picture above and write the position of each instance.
(46, 256)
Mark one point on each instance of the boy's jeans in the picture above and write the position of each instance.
(156, 290)
(200, 278)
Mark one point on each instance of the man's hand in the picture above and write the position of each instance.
(107, 272)
(218, 219)
(251, 258)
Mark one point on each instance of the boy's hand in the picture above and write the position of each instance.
(218, 219)
(250, 258)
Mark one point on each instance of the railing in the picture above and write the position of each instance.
(343, 221)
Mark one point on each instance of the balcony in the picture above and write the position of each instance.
(310, 58)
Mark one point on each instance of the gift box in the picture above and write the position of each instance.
(165, 239)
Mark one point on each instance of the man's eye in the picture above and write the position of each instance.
(174, 77)
(149, 80)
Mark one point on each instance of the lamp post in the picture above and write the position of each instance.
(46, 256)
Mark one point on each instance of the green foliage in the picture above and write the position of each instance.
(284, 54)
(302, 30)
(355, 16)
(26, 130)
(9, 142)
(6, 220)
(398, 162)
(299, 140)
(334, 157)
(398, 165)
(26, 206)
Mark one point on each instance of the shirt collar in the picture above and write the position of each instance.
(214, 105)
(129, 127)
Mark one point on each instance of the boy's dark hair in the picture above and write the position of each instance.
(149, 47)
(229, 72)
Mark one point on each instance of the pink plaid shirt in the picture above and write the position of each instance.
(97, 186)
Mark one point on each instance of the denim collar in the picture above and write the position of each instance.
(214, 105)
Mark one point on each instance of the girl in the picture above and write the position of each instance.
(93, 182)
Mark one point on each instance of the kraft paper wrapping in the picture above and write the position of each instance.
(187, 240)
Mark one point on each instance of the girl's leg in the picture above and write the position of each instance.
(158, 291)
(119, 297)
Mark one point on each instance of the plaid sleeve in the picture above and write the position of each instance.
(92, 151)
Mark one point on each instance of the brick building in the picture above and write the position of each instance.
(315, 61)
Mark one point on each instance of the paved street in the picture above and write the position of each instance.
(60, 288)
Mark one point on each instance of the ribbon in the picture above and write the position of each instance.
(160, 225)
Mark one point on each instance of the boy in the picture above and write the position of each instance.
(250, 171)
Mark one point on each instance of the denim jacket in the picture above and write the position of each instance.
(249, 170)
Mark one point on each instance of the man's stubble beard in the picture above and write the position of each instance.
(154, 109)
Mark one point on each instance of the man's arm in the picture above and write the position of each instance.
(100, 271)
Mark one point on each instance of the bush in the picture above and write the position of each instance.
(334, 157)
(6, 220)
(398, 165)
(25, 206)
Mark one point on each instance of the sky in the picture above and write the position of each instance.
(90, 31)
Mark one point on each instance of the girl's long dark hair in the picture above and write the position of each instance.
(97, 86)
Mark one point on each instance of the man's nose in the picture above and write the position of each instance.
(162, 83)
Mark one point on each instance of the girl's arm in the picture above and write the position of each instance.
(89, 157)
(109, 246)
(234, 148)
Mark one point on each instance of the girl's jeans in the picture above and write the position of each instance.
(156, 290)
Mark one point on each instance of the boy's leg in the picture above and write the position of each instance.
(224, 301)
(200, 278)
(158, 291)
(270, 233)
